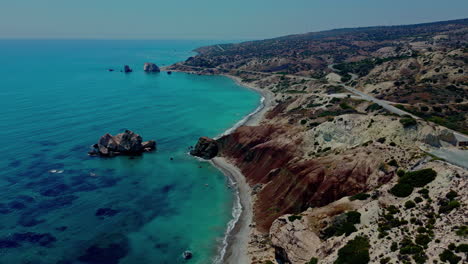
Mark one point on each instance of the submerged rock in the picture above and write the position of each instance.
(206, 148)
(127, 143)
(127, 69)
(151, 67)
(105, 255)
(105, 212)
(187, 255)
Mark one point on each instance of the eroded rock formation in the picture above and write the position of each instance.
(127, 143)
(151, 67)
(206, 148)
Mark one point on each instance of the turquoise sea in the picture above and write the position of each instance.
(58, 205)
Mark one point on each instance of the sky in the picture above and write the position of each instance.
(210, 19)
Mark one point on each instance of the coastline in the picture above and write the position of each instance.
(234, 248)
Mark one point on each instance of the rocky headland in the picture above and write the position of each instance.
(126, 143)
(339, 168)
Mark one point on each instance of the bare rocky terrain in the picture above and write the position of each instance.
(340, 166)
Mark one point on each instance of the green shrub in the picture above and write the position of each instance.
(394, 246)
(373, 107)
(356, 251)
(462, 248)
(448, 256)
(418, 178)
(345, 106)
(292, 218)
(313, 261)
(381, 140)
(353, 217)
(393, 163)
(422, 240)
(445, 209)
(408, 122)
(401, 173)
(359, 196)
(385, 260)
(418, 199)
(421, 229)
(401, 190)
(411, 249)
(303, 122)
(451, 195)
(393, 209)
(409, 204)
(346, 226)
(420, 258)
(462, 231)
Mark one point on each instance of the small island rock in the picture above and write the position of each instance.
(127, 69)
(206, 148)
(127, 143)
(151, 67)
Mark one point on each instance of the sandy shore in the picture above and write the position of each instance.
(238, 237)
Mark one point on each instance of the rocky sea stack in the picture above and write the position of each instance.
(151, 67)
(127, 143)
(127, 69)
(206, 148)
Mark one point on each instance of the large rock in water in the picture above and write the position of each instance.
(206, 148)
(127, 143)
(151, 67)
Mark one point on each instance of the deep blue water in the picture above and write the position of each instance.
(58, 205)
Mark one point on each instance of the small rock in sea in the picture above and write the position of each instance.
(187, 255)
(172, 158)
(127, 69)
(111, 70)
(151, 67)
(127, 143)
(169, 72)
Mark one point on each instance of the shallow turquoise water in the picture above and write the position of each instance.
(57, 99)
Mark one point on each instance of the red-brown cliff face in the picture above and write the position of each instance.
(269, 155)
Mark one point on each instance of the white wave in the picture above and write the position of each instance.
(236, 213)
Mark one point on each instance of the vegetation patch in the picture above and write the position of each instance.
(412, 179)
(356, 251)
(408, 122)
(292, 218)
(449, 256)
(360, 196)
(343, 224)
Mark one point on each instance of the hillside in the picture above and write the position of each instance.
(357, 149)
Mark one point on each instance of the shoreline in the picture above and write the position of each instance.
(235, 241)
(233, 249)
